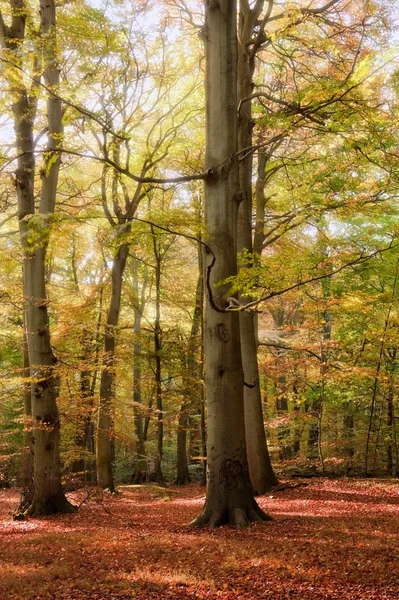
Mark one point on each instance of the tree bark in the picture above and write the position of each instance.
(35, 229)
(140, 473)
(260, 468)
(27, 475)
(158, 346)
(229, 493)
(104, 452)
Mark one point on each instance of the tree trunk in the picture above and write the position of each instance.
(104, 445)
(158, 373)
(140, 473)
(390, 412)
(26, 476)
(35, 229)
(229, 493)
(183, 475)
(260, 468)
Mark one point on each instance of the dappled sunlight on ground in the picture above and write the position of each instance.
(329, 539)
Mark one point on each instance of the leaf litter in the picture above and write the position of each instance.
(330, 539)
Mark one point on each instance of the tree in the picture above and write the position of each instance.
(260, 468)
(191, 382)
(140, 472)
(229, 496)
(35, 227)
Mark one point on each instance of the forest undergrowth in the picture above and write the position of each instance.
(336, 539)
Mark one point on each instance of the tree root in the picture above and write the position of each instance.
(52, 506)
(236, 516)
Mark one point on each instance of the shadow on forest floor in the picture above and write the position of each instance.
(336, 539)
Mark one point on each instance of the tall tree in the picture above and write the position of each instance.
(249, 42)
(140, 472)
(229, 494)
(35, 228)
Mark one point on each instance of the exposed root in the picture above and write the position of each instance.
(200, 521)
(50, 506)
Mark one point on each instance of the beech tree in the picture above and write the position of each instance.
(35, 228)
(229, 494)
(249, 41)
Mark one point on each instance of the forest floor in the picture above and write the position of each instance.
(336, 539)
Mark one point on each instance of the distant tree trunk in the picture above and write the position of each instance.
(104, 446)
(26, 476)
(286, 446)
(84, 465)
(390, 413)
(89, 426)
(347, 434)
(191, 386)
(140, 472)
(78, 465)
(315, 447)
(35, 229)
(158, 367)
(286, 449)
(260, 468)
(229, 493)
(203, 438)
(183, 475)
(298, 427)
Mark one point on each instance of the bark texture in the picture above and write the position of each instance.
(35, 228)
(229, 493)
(104, 426)
(26, 475)
(260, 468)
(140, 473)
(158, 366)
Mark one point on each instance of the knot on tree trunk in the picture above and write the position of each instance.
(222, 332)
(234, 474)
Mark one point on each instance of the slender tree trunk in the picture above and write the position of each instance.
(315, 447)
(26, 476)
(140, 473)
(347, 434)
(158, 367)
(260, 468)
(390, 414)
(203, 438)
(229, 493)
(191, 386)
(78, 465)
(286, 450)
(104, 444)
(182, 476)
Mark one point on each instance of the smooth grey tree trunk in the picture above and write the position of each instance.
(26, 474)
(107, 383)
(260, 467)
(35, 228)
(140, 472)
(229, 496)
(158, 366)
